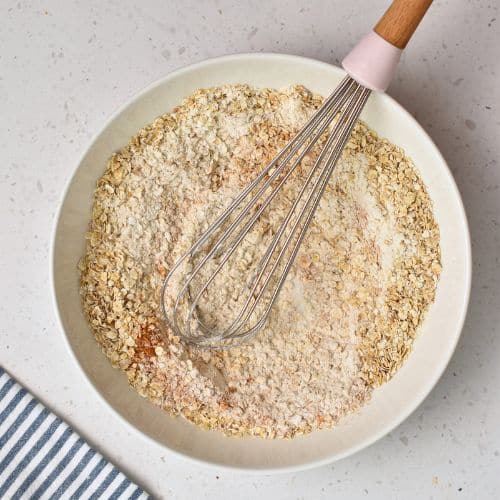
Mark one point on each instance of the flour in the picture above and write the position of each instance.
(349, 310)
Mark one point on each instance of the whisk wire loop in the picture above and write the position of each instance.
(344, 105)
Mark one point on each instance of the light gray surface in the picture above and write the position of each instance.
(65, 66)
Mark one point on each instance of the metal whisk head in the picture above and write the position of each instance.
(195, 287)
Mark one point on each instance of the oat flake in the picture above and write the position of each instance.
(352, 304)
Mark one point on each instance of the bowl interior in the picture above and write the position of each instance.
(392, 402)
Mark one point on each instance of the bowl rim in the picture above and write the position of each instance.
(402, 416)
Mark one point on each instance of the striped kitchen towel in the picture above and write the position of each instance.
(42, 457)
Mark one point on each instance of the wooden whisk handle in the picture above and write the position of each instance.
(400, 21)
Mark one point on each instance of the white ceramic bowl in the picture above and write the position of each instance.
(391, 403)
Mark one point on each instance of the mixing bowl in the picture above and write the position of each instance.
(392, 402)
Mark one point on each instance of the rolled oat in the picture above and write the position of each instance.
(351, 307)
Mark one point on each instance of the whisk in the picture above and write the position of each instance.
(198, 278)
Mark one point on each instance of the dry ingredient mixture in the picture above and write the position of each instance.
(352, 304)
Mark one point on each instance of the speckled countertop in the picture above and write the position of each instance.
(65, 66)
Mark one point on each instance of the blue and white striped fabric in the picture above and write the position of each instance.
(42, 457)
